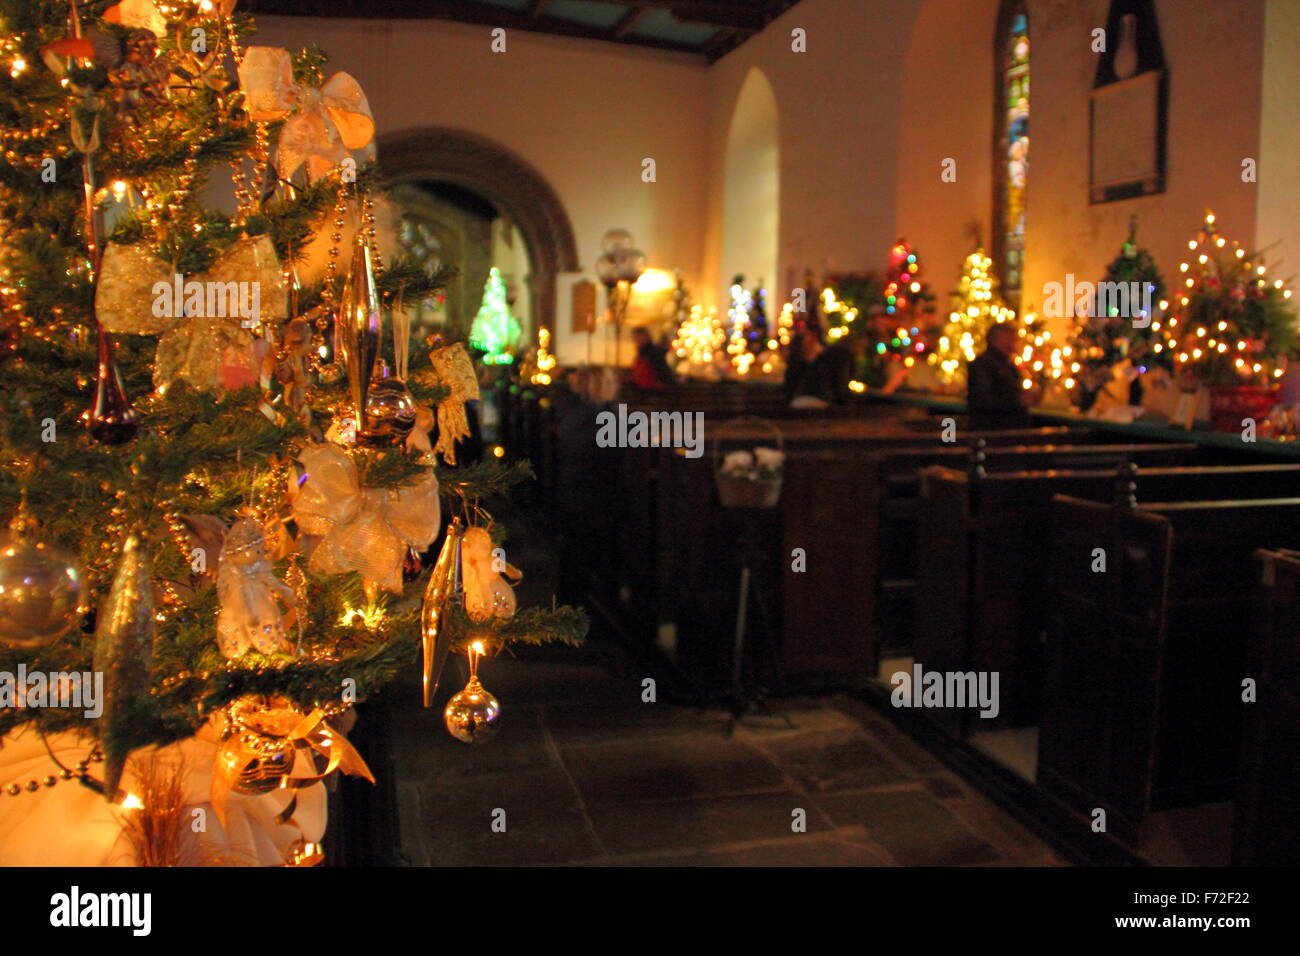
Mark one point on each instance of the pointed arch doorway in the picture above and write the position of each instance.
(434, 154)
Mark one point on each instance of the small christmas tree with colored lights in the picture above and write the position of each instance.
(758, 333)
(901, 325)
(495, 331)
(906, 293)
(975, 306)
(1100, 342)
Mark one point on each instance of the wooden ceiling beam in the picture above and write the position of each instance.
(464, 11)
(735, 20)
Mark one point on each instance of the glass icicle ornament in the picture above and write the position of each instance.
(124, 635)
(110, 418)
(390, 408)
(442, 582)
(359, 325)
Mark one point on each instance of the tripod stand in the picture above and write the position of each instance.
(751, 701)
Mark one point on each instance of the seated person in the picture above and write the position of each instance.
(649, 368)
(805, 345)
(995, 395)
(826, 381)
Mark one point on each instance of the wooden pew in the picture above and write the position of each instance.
(1266, 827)
(983, 557)
(636, 562)
(658, 489)
(825, 613)
(891, 485)
(1142, 703)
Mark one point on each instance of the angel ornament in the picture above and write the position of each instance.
(487, 594)
(254, 605)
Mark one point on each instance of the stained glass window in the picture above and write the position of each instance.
(1014, 139)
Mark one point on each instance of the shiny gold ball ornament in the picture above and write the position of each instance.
(473, 715)
(390, 414)
(252, 770)
(41, 588)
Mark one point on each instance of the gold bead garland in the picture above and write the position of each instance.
(81, 772)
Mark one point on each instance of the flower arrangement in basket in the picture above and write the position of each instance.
(751, 479)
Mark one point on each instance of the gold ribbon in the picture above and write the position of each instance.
(366, 530)
(323, 124)
(283, 726)
(205, 350)
(314, 734)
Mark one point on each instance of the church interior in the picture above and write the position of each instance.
(691, 433)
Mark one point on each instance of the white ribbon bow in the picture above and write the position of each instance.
(366, 530)
(323, 125)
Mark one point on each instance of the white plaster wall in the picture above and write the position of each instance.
(752, 187)
(1278, 189)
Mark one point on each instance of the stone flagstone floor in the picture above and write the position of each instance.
(588, 774)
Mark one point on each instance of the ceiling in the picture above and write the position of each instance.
(708, 28)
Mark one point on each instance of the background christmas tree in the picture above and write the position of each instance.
(1233, 324)
(976, 305)
(142, 466)
(1100, 342)
(495, 330)
(901, 326)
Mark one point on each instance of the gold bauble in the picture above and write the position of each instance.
(390, 414)
(473, 715)
(248, 771)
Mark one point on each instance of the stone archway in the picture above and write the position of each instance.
(434, 153)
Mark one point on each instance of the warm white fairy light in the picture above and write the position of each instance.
(699, 337)
(545, 360)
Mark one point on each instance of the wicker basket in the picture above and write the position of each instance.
(740, 492)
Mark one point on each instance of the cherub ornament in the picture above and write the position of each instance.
(487, 594)
(250, 597)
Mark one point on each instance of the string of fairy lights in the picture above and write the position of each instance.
(1213, 318)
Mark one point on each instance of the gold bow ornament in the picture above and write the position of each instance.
(262, 741)
(366, 530)
(322, 125)
(205, 322)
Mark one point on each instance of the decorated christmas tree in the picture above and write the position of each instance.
(219, 502)
(1232, 323)
(495, 331)
(739, 319)
(845, 298)
(1099, 343)
(976, 305)
(758, 333)
(902, 325)
(906, 293)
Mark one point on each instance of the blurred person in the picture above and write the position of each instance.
(650, 367)
(805, 345)
(826, 381)
(995, 393)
